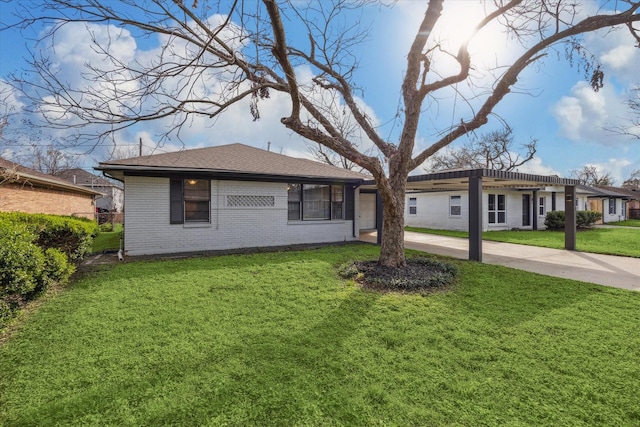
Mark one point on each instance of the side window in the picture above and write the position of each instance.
(413, 206)
(455, 205)
(190, 200)
(541, 207)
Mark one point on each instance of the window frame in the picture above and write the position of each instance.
(180, 198)
(494, 211)
(413, 205)
(612, 205)
(298, 207)
(542, 206)
(452, 205)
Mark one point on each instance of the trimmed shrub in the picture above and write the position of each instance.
(26, 269)
(584, 219)
(21, 261)
(73, 236)
(554, 220)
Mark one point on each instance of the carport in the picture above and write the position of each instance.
(474, 181)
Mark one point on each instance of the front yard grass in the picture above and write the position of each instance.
(611, 241)
(280, 339)
(627, 223)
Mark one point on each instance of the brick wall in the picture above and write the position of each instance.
(148, 231)
(25, 198)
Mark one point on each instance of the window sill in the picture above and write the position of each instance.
(197, 225)
(316, 222)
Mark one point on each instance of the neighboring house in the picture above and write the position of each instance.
(112, 193)
(615, 204)
(25, 190)
(233, 196)
(611, 204)
(502, 208)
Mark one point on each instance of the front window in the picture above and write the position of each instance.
(612, 206)
(313, 202)
(541, 206)
(455, 205)
(497, 209)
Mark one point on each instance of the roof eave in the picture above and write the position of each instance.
(119, 171)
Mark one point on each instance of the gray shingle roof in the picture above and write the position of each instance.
(232, 158)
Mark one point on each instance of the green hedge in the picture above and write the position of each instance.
(584, 219)
(35, 252)
(71, 235)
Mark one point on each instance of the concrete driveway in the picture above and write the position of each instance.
(607, 270)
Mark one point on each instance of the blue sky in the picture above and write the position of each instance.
(554, 106)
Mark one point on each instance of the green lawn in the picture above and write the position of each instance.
(627, 223)
(279, 339)
(107, 240)
(612, 241)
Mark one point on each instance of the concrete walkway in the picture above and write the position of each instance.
(607, 270)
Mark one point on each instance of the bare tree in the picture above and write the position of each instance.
(217, 53)
(493, 150)
(633, 183)
(50, 160)
(589, 175)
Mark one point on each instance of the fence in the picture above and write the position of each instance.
(634, 213)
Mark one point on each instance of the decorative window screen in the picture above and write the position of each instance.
(250, 201)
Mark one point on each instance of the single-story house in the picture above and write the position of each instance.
(477, 198)
(23, 189)
(613, 203)
(112, 192)
(233, 196)
(504, 208)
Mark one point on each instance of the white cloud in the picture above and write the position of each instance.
(536, 167)
(587, 116)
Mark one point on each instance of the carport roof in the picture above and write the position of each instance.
(459, 180)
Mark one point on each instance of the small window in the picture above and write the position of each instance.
(541, 207)
(612, 206)
(413, 206)
(497, 209)
(455, 205)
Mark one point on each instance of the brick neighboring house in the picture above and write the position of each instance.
(233, 196)
(112, 194)
(25, 190)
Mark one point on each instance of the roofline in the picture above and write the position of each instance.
(219, 174)
(54, 183)
(488, 173)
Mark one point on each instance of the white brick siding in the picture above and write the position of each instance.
(148, 231)
(433, 209)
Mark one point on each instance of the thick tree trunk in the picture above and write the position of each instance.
(392, 244)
